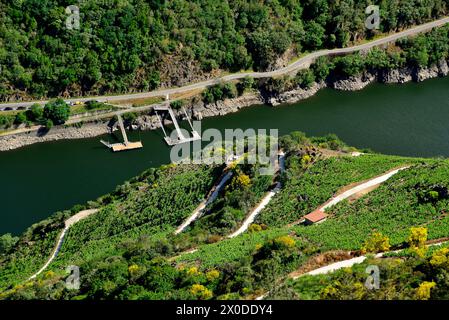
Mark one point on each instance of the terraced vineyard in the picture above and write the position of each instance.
(128, 250)
(152, 205)
(414, 197)
(306, 189)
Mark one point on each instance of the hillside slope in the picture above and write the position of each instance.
(129, 46)
(128, 250)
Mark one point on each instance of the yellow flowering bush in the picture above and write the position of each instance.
(212, 275)
(285, 241)
(193, 271)
(133, 270)
(440, 258)
(254, 228)
(417, 240)
(423, 291)
(376, 243)
(201, 292)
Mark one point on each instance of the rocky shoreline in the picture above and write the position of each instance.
(88, 130)
(200, 110)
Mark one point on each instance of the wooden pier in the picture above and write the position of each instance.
(126, 144)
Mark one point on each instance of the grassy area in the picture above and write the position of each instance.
(82, 108)
(140, 102)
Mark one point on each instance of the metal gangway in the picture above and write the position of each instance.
(180, 136)
(126, 144)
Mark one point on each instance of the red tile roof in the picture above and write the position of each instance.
(315, 216)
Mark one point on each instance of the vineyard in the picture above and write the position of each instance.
(417, 196)
(411, 277)
(152, 207)
(305, 190)
(127, 250)
(151, 204)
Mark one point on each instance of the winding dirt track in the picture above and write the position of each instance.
(333, 201)
(68, 223)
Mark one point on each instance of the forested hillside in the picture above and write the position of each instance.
(136, 45)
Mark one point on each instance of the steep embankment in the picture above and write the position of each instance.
(128, 250)
(153, 44)
(154, 203)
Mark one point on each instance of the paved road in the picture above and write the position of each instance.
(301, 63)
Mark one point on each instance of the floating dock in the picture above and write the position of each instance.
(125, 145)
(180, 137)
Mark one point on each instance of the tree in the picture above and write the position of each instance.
(321, 68)
(350, 65)
(35, 113)
(248, 83)
(177, 104)
(93, 104)
(314, 35)
(417, 240)
(305, 78)
(229, 90)
(20, 118)
(7, 241)
(57, 111)
(376, 243)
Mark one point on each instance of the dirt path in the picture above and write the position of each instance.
(68, 223)
(265, 201)
(353, 192)
(200, 208)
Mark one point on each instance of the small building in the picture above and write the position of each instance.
(316, 216)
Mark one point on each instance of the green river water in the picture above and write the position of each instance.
(410, 119)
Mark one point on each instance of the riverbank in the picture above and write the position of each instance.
(199, 110)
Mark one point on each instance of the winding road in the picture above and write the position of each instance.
(301, 63)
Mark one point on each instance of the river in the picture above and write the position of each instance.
(410, 120)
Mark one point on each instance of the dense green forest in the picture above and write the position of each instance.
(133, 45)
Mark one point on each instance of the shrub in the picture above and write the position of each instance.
(20, 118)
(57, 111)
(376, 243)
(48, 124)
(212, 275)
(254, 228)
(423, 291)
(177, 104)
(305, 78)
(285, 241)
(201, 292)
(35, 113)
(417, 240)
(440, 258)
